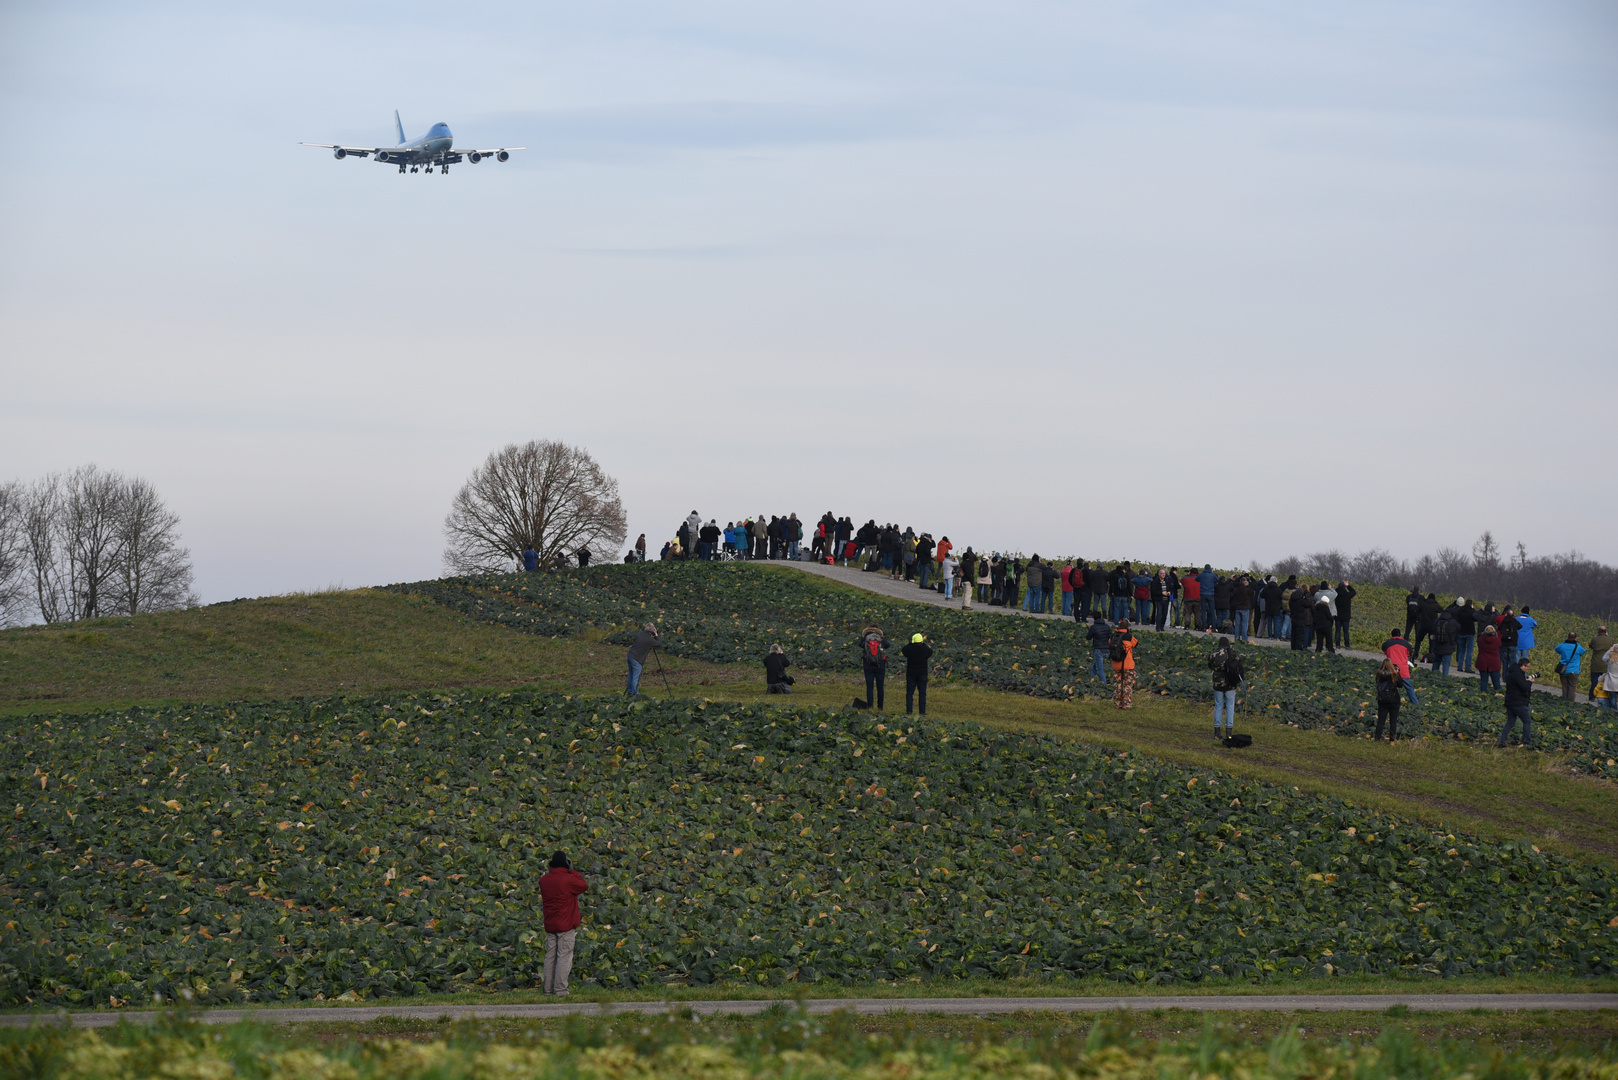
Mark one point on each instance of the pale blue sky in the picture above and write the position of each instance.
(1182, 281)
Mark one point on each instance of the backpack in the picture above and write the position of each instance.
(873, 651)
(1115, 648)
(1387, 692)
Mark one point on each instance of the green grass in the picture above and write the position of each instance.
(368, 641)
(785, 1043)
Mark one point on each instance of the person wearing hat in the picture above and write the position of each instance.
(874, 661)
(1519, 690)
(559, 890)
(1121, 648)
(916, 655)
(1467, 619)
(1569, 657)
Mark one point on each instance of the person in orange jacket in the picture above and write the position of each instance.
(1122, 651)
(559, 890)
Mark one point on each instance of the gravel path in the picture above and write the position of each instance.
(359, 1014)
(879, 582)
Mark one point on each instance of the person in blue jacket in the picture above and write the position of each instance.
(1525, 632)
(530, 558)
(1570, 658)
(1208, 580)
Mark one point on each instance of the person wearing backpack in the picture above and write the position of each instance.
(1413, 601)
(1345, 612)
(1034, 599)
(1388, 684)
(1508, 627)
(1397, 649)
(1226, 666)
(874, 661)
(1100, 635)
(1121, 651)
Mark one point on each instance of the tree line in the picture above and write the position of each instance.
(89, 543)
(1568, 582)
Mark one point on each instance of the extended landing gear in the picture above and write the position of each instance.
(444, 170)
(401, 170)
(413, 168)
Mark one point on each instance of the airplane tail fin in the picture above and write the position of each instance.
(398, 126)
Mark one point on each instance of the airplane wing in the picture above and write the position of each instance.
(347, 151)
(498, 153)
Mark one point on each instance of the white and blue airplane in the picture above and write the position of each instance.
(434, 148)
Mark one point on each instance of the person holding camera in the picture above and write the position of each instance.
(1226, 666)
(559, 890)
(916, 655)
(776, 679)
(1519, 689)
(645, 642)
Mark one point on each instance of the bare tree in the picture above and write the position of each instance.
(48, 565)
(13, 554)
(153, 572)
(545, 494)
(91, 512)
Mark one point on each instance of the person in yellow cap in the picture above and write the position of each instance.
(916, 655)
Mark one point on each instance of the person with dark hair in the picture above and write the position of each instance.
(1488, 664)
(583, 556)
(559, 890)
(874, 661)
(1274, 608)
(1193, 597)
(1095, 580)
(1519, 689)
(1426, 622)
(1141, 586)
(1120, 589)
(1162, 595)
(530, 558)
(1226, 666)
(1413, 601)
(1345, 610)
(1241, 605)
(916, 655)
(1525, 633)
(776, 679)
(1209, 581)
(1569, 656)
(1387, 698)
(1466, 620)
(1035, 600)
(1397, 649)
(1099, 635)
(1300, 611)
(1121, 649)
(1442, 647)
(1223, 590)
(645, 641)
(1508, 627)
(640, 548)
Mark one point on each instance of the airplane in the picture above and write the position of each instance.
(434, 148)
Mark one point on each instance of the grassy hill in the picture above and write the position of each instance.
(314, 795)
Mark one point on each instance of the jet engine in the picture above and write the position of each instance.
(502, 156)
(339, 153)
(383, 155)
(474, 158)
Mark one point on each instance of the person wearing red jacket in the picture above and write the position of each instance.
(559, 890)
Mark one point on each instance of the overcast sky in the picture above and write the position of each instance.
(1185, 281)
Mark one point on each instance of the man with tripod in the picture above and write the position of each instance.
(645, 642)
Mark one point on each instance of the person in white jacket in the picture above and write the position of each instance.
(1609, 681)
(948, 569)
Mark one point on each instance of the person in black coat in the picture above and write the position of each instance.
(1426, 621)
(1519, 689)
(1321, 620)
(776, 679)
(1345, 611)
(1299, 605)
(916, 655)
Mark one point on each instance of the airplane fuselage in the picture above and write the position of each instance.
(436, 148)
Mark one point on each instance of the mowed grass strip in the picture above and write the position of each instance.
(370, 641)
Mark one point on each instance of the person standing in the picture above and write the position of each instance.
(1241, 605)
(559, 889)
(1345, 610)
(947, 570)
(1519, 689)
(1119, 590)
(969, 576)
(1287, 589)
(1274, 608)
(1100, 635)
(1121, 650)
(1413, 601)
(1162, 593)
(1321, 620)
(985, 580)
(1299, 603)
(645, 641)
(1193, 597)
(1387, 698)
(1095, 581)
(1569, 656)
(1222, 594)
(916, 655)
(640, 548)
(874, 661)
(1525, 633)
(1443, 644)
(693, 531)
(924, 560)
(1208, 580)
(1067, 589)
(1466, 621)
(1488, 664)
(1598, 657)
(1034, 601)
(530, 558)
(1609, 679)
(1398, 650)
(1426, 621)
(1226, 666)
(1141, 585)
(1508, 627)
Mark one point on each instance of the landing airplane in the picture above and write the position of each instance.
(434, 148)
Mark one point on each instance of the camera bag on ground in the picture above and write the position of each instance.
(1236, 742)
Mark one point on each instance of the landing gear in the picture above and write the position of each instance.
(401, 170)
(413, 168)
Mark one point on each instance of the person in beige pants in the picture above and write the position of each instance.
(560, 889)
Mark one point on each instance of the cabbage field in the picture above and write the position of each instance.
(390, 845)
(731, 613)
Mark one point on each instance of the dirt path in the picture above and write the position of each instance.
(359, 1014)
